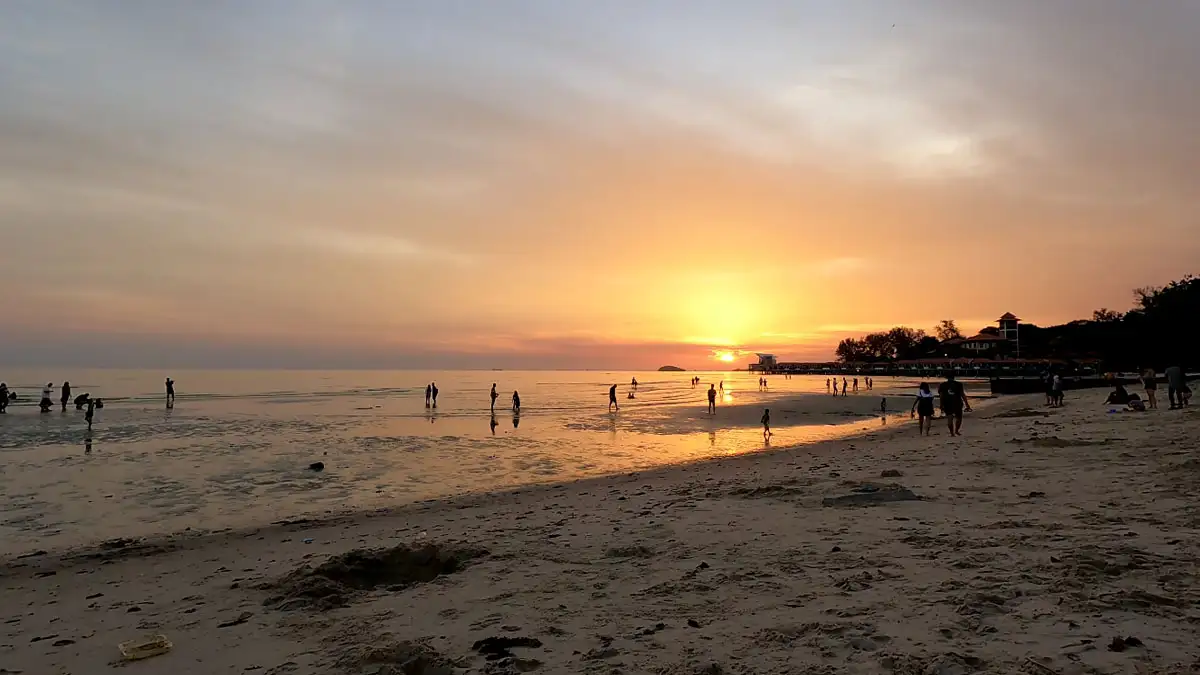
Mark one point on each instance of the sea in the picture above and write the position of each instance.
(236, 448)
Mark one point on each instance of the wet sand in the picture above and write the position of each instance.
(1037, 538)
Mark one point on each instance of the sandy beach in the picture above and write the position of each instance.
(1028, 545)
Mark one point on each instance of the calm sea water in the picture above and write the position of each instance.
(234, 450)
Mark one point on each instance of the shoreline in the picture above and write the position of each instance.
(825, 418)
(189, 538)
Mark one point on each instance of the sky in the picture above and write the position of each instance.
(577, 184)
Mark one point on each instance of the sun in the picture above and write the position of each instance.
(726, 357)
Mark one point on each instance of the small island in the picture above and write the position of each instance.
(670, 369)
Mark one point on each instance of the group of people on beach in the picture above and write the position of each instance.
(83, 401)
(1179, 394)
(833, 383)
(952, 399)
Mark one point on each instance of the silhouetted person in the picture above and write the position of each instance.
(435, 393)
(827, 384)
(428, 394)
(633, 383)
(516, 403)
(82, 400)
(1176, 386)
(91, 413)
(494, 397)
(835, 388)
(954, 401)
(66, 396)
(766, 422)
(856, 385)
(612, 398)
(170, 392)
(516, 421)
(712, 399)
(923, 409)
(3, 397)
(844, 387)
(47, 391)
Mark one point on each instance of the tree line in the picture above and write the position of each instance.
(1161, 329)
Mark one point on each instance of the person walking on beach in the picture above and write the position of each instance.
(954, 401)
(712, 400)
(827, 384)
(844, 387)
(66, 396)
(612, 398)
(1150, 383)
(170, 393)
(91, 413)
(433, 386)
(428, 394)
(766, 422)
(923, 408)
(516, 403)
(835, 391)
(47, 391)
(494, 397)
(1176, 384)
(856, 385)
(3, 397)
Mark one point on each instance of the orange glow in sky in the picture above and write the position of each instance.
(425, 187)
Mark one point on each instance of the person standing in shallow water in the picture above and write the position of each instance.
(612, 398)
(428, 394)
(516, 403)
(433, 386)
(66, 395)
(3, 397)
(494, 397)
(91, 412)
(712, 400)
(170, 393)
(47, 391)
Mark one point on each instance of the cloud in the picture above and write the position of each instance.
(587, 171)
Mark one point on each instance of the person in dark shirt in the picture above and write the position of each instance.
(434, 391)
(766, 422)
(954, 401)
(170, 393)
(91, 412)
(712, 399)
(66, 395)
(516, 404)
(494, 397)
(612, 398)
(428, 394)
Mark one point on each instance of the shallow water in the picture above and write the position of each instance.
(234, 450)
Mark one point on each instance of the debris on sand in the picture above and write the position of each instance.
(317, 466)
(629, 552)
(395, 658)
(870, 495)
(495, 648)
(332, 583)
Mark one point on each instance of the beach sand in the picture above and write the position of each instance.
(1039, 537)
